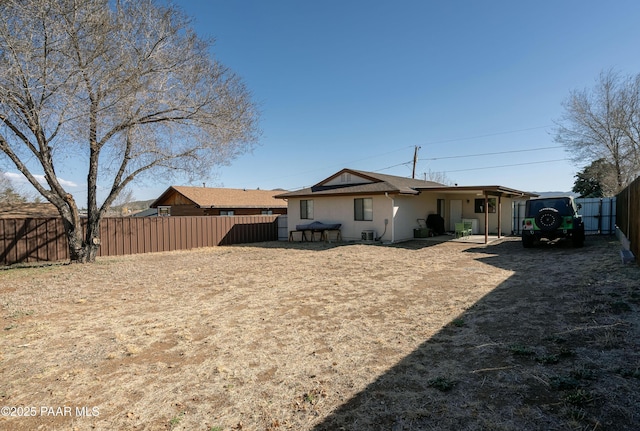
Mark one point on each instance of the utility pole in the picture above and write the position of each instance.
(415, 161)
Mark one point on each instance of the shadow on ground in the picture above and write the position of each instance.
(554, 347)
(322, 245)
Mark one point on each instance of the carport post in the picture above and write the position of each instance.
(499, 215)
(486, 217)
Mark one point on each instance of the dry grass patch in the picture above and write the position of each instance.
(315, 336)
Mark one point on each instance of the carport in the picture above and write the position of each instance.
(486, 193)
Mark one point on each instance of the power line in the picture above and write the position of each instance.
(472, 169)
(487, 135)
(393, 166)
(471, 155)
(493, 154)
(507, 166)
(428, 143)
(307, 171)
(412, 146)
(339, 165)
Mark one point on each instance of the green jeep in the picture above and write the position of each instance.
(552, 218)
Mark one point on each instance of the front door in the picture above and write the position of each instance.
(455, 212)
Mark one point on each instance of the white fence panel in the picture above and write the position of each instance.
(283, 229)
(518, 216)
(599, 215)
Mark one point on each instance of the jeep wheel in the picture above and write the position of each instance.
(548, 219)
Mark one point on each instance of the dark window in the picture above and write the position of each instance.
(306, 209)
(480, 205)
(363, 209)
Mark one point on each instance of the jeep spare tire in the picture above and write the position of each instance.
(548, 219)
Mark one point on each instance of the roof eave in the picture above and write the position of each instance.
(242, 206)
(485, 189)
(332, 194)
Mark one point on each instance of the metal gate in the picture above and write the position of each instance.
(599, 215)
(283, 229)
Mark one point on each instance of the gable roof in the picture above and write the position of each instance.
(372, 183)
(375, 183)
(208, 197)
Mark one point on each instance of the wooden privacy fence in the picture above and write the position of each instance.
(628, 214)
(44, 239)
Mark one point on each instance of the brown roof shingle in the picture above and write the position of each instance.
(28, 210)
(208, 197)
(381, 183)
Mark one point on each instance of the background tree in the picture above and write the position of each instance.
(8, 193)
(121, 202)
(596, 180)
(122, 88)
(604, 123)
(436, 176)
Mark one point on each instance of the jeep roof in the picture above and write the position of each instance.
(564, 204)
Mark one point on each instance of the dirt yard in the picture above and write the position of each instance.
(280, 336)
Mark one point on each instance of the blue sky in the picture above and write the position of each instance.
(359, 84)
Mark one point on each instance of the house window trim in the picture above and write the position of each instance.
(478, 207)
(306, 210)
(164, 210)
(359, 209)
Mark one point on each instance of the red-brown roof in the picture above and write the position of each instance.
(28, 210)
(208, 197)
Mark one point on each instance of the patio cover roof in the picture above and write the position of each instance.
(482, 190)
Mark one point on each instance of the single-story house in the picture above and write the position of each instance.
(208, 201)
(389, 208)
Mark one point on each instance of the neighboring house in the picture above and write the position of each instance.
(392, 207)
(207, 201)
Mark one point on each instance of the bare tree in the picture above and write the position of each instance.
(8, 193)
(631, 121)
(121, 202)
(437, 176)
(602, 123)
(124, 88)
